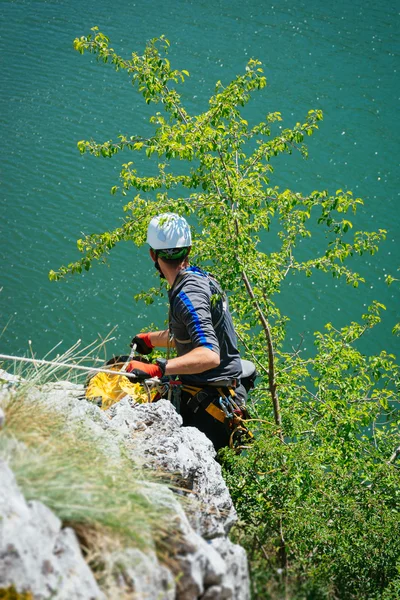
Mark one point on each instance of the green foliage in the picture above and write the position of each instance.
(317, 494)
(320, 510)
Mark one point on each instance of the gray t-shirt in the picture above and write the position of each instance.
(199, 316)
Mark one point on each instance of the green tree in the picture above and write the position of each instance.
(317, 490)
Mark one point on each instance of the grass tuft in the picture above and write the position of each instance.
(106, 501)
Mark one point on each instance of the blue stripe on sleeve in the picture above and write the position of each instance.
(203, 340)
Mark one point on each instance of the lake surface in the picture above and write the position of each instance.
(342, 58)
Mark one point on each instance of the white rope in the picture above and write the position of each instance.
(52, 363)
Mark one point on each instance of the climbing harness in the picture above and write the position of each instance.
(221, 404)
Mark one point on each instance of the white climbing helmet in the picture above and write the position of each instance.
(168, 230)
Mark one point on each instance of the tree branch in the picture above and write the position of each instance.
(271, 358)
(394, 456)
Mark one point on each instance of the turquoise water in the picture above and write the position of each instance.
(341, 57)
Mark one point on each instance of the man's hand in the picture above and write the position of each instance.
(143, 343)
(143, 370)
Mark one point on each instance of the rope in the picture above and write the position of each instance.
(52, 363)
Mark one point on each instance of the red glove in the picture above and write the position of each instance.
(143, 343)
(143, 370)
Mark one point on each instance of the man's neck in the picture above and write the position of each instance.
(171, 273)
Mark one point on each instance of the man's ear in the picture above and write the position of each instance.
(153, 255)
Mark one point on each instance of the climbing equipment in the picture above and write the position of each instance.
(221, 403)
(106, 389)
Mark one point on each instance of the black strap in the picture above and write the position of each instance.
(205, 398)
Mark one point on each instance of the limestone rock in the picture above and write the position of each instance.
(153, 432)
(195, 564)
(143, 573)
(8, 382)
(36, 555)
(69, 399)
(10, 377)
(159, 440)
(237, 573)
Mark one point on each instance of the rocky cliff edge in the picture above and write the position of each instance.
(41, 556)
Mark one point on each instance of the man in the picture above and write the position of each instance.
(201, 331)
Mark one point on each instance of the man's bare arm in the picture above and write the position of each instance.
(197, 360)
(160, 339)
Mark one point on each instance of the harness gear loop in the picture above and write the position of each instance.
(227, 414)
(239, 436)
(203, 399)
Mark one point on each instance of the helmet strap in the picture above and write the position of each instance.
(157, 266)
(173, 253)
